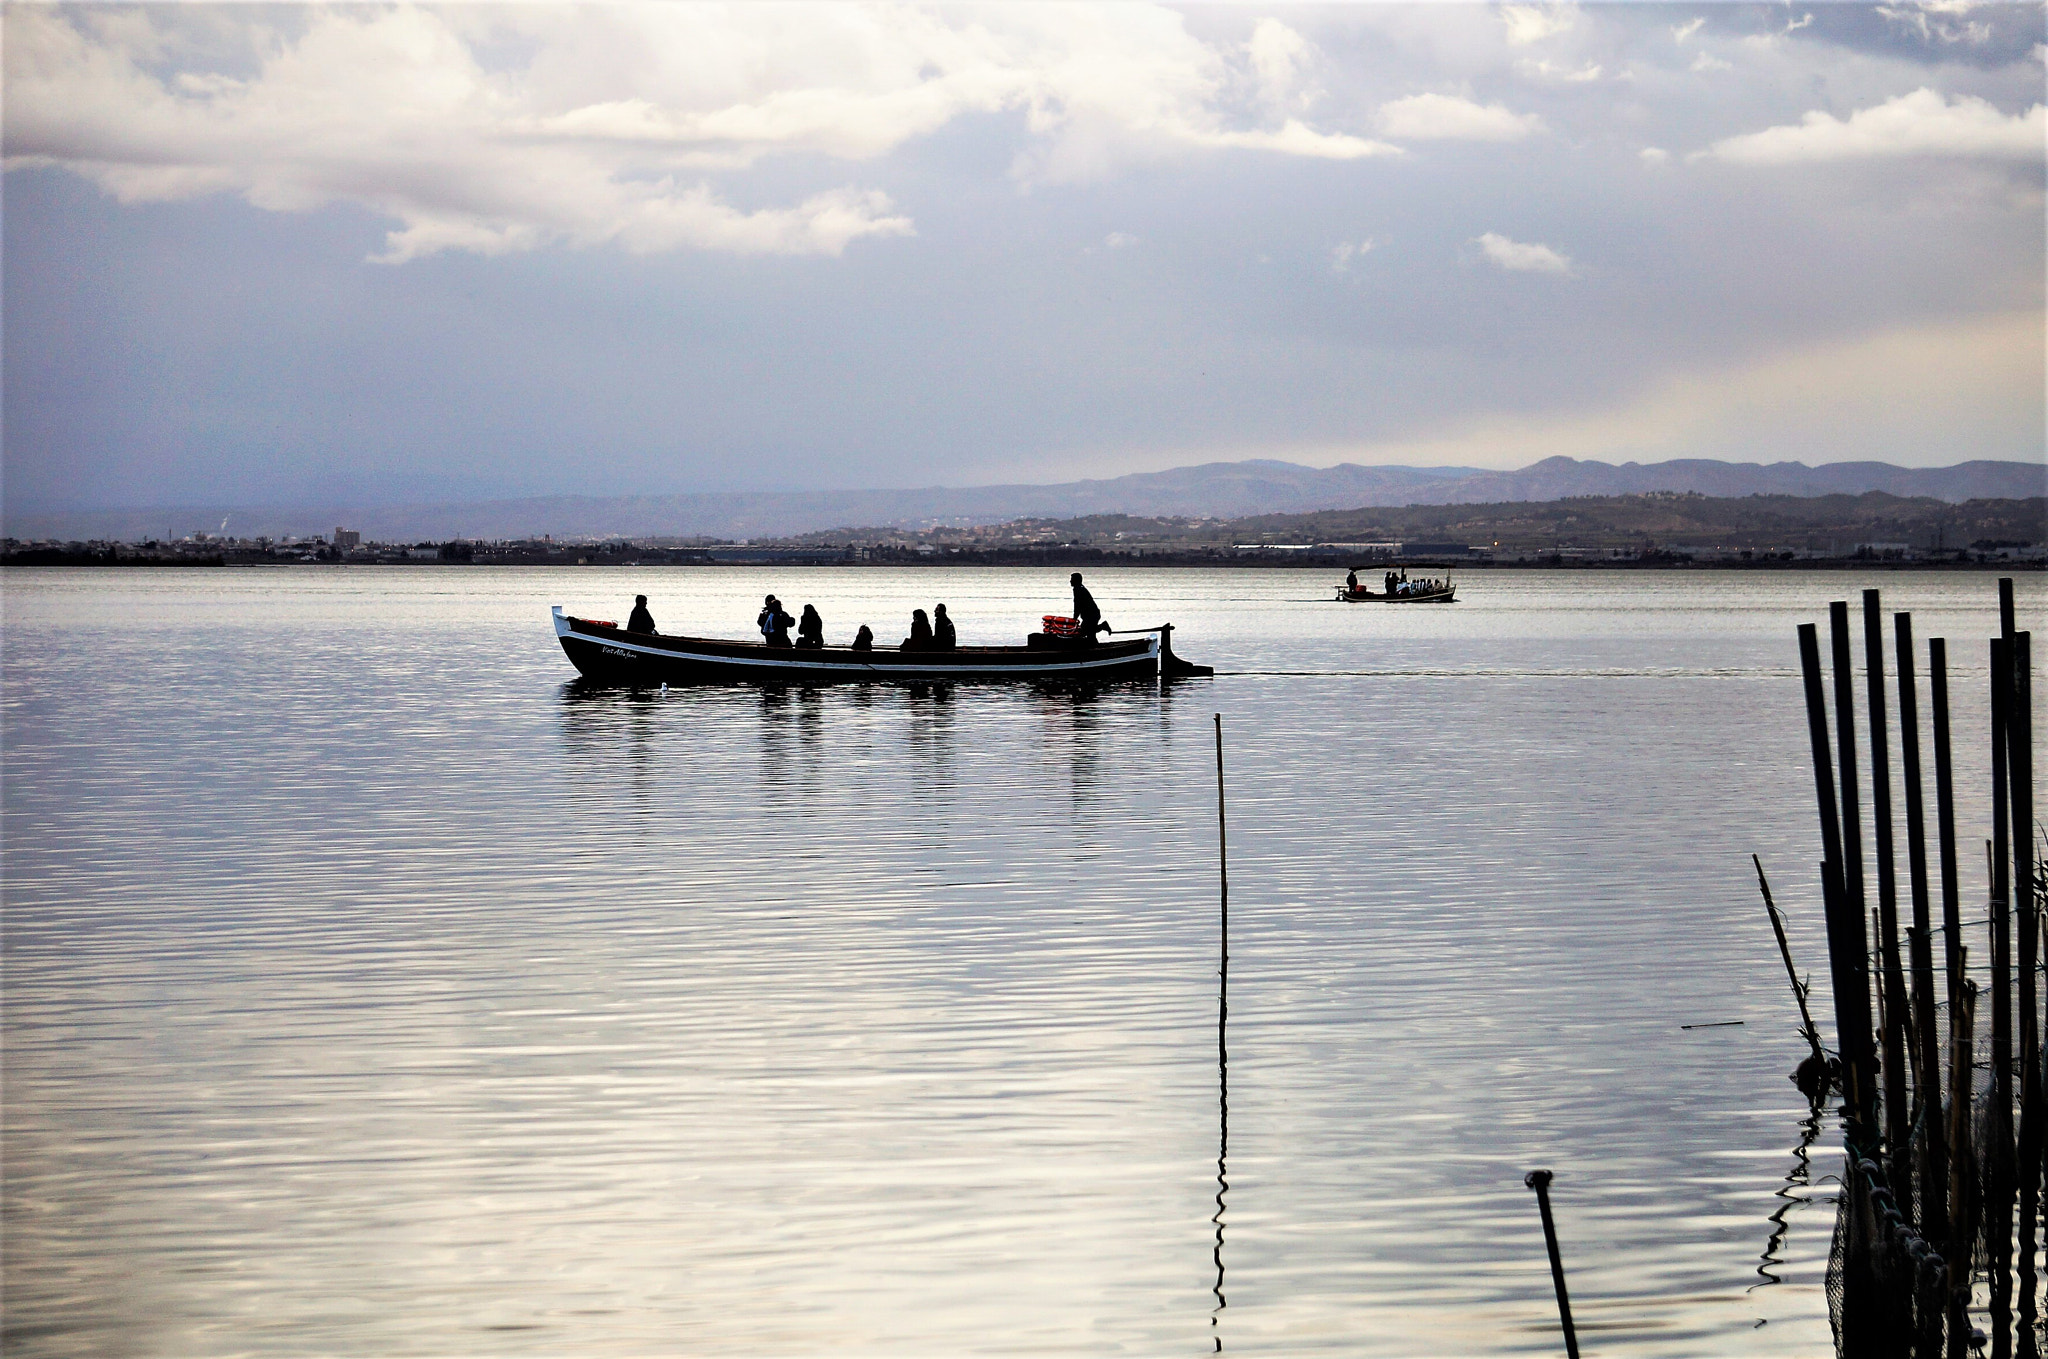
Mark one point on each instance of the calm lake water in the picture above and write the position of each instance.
(371, 989)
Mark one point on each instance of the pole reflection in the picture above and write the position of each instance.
(1797, 1179)
(1222, 1140)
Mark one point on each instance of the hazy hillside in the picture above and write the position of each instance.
(1665, 519)
(1214, 490)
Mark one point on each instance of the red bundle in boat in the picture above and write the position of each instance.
(1057, 625)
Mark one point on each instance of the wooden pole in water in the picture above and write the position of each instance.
(1891, 976)
(1849, 866)
(2019, 737)
(1998, 1177)
(2026, 884)
(1962, 1173)
(1926, 1025)
(1945, 822)
(1851, 862)
(1222, 857)
(1848, 959)
(1539, 1180)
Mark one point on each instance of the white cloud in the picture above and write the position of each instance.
(1939, 21)
(662, 217)
(1706, 61)
(1296, 138)
(1528, 24)
(1117, 240)
(1794, 25)
(1342, 255)
(1654, 155)
(1279, 56)
(1918, 124)
(1425, 117)
(610, 125)
(1548, 70)
(1522, 258)
(1680, 32)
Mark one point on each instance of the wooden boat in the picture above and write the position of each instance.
(606, 652)
(1447, 593)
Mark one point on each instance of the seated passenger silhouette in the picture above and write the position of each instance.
(920, 638)
(810, 630)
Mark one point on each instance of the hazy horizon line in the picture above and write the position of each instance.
(371, 500)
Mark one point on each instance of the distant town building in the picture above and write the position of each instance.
(345, 539)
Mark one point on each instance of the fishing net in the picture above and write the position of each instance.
(1887, 1287)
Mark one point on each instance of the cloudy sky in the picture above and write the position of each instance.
(290, 254)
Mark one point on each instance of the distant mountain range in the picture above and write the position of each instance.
(1212, 490)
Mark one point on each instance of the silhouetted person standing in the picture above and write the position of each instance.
(943, 637)
(641, 620)
(1085, 610)
(810, 629)
(774, 623)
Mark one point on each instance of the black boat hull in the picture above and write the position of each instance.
(612, 655)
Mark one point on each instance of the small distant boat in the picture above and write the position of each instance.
(1413, 592)
(608, 653)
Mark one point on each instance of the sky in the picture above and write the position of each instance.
(288, 255)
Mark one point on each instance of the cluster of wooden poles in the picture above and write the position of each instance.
(1943, 1181)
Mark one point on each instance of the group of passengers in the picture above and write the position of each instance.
(927, 633)
(1399, 584)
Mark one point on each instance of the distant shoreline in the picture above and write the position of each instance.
(46, 559)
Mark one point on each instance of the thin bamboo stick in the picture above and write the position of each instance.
(1807, 1030)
